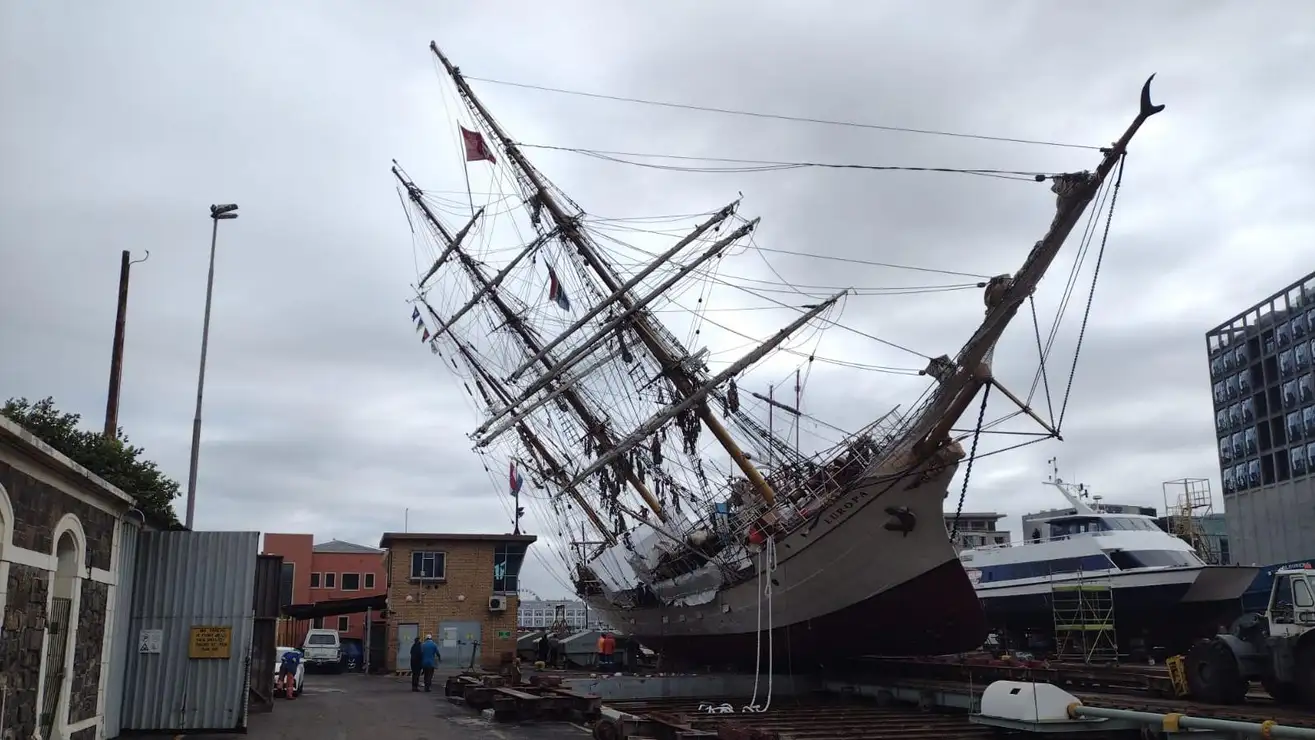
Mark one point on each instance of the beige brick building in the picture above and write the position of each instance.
(461, 588)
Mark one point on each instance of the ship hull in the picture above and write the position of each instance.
(850, 585)
(1168, 608)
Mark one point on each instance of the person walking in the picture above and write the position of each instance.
(429, 658)
(417, 663)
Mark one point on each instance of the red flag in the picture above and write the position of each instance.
(476, 149)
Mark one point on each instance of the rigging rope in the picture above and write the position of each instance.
(768, 559)
(1095, 275)
(768, 165)
(779, 116)
(972, 455)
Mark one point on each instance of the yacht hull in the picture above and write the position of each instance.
(849, 585)
(1170, 607)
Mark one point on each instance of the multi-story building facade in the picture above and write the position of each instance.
(977, 529)
(328, 571)
(545, 613)
(1263, 385)
(460, 588)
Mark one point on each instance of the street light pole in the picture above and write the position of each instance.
(217, 214)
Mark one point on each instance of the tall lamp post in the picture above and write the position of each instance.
(217, 214)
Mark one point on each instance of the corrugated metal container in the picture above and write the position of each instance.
(125, 573)
(265, 602)
(185, 580)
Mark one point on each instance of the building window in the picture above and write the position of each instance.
(344, 623)
(1225, 449)
(317, 623)
(1308, 421)
(1290, 394)
(1230, 484)
(330, 580)
(507, 560)
(428, 566)
(1241, 355)
(351, 582)
(369, 581)
(286, 582)
(1216, 366)
(1219, 392)
(1299, 325)
(1238, 444)
(1283, 334)
(1297, 459)
(1253, 474)
(1235, 415)
(1248, 411)
(314, 580)
(1230, 386)
(1286, 364)
(1294, 426)
(1306, 388)
(1301, 356)
(1244, 382)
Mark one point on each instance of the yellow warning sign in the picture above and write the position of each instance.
(211, 642)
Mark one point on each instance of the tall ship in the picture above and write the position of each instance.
(1161, 592)
(686, 521)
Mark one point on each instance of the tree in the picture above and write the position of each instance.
(114, 459)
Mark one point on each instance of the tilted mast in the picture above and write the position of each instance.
(961, 380)
(642, 326)
(531, 440)
(513, 320)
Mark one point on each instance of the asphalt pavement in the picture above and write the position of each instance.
(357, 707)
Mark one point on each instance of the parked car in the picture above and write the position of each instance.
(299, 679)
(322, 649)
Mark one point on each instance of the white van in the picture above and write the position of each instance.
(322, 649)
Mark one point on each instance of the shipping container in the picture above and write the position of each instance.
(192, 624)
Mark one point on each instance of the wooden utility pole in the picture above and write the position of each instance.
(116, 354)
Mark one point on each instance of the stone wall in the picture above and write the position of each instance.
(87, 652)
(38, 507)
(20, 648)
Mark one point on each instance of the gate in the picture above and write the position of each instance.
(57, 625)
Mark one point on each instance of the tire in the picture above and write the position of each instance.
(1213, 674)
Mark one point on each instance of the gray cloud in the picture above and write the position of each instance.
(324, 412)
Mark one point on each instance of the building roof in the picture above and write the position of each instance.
(392, 538)
(976, 515)
(28, 443)
(347, 548)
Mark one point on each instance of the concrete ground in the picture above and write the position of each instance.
(356, 706)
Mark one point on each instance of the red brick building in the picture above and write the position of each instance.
(328, 571)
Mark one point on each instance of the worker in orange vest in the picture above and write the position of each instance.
(609, 650)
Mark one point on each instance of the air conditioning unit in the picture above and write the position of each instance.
(497, 603)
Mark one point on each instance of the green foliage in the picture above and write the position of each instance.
(115, 460)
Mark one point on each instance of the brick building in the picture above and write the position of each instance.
(461, 588)
(60, 532)
(324, 572)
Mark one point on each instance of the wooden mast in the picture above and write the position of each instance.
(567, 225)
(531, 440)
(591, 423)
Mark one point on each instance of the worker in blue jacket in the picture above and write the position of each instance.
(429, 658)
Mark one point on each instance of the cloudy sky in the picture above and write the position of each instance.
(122, 123)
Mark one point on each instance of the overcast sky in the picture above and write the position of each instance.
(123, 122)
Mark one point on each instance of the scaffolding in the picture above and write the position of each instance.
(1084, 620)
(1192, 504)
